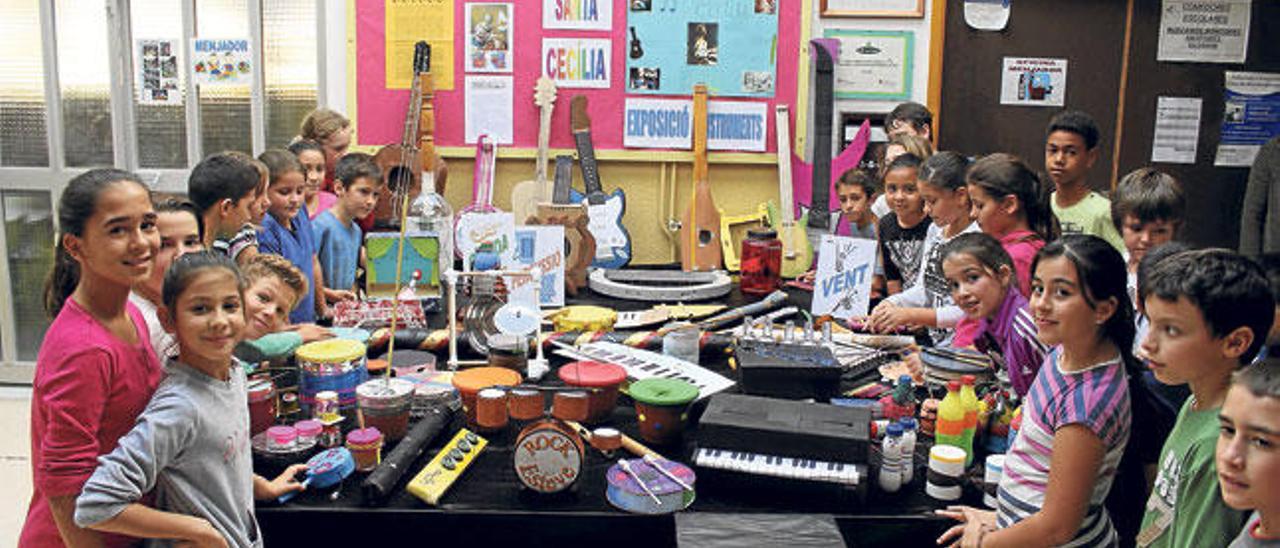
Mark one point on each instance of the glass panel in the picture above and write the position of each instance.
(162, 127)
(288, 30)
(28, 225)
(85, 76)
(23, 140)
(225, 122)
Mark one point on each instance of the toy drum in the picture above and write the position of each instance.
(262, 405)
(606, 440)
(282, 438)
(334, 364)
(525, 404)
(308, 431)
(365, 445)
(385, 404)
(491, 409)
(660, 407)
(626, 493)
(471, 381)
(570, 405)
(946, 472)
(548, 456)
(604, 376)
(509, 351)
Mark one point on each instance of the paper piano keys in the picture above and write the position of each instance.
(643, 364)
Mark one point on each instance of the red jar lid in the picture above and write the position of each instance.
(364, 436)
(592, 374)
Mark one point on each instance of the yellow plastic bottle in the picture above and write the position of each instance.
(950, 426)
(969, 399)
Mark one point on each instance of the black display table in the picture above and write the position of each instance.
(487, 507)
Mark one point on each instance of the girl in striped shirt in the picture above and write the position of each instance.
(1075, 421)
(979, 274)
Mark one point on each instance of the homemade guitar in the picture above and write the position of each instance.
(579, 244)
(700, 227)
(472, 230)
(812, 179)
(411, 162)
(797, 253)
(526, 195)
(613, 243)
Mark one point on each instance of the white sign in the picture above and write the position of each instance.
(476, 229)
(221, 62)
(577, 62)
(489, 102)
(668, 123)
(842, 287)
(1204, 31)
(577, 14)
(541, 247)
(1177, 130)
(1033, 81)
(736, 125)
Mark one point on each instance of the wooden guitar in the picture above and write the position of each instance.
(579, 244)
(407, 165)
(613, 243)
(481, 198)
(700, 227)
(526, 195)
(797, 253)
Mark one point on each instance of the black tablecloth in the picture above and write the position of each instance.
(487, 505)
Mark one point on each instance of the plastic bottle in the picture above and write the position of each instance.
(908, 449)
(891, 459)
(950, 425)
(969, 399)
(430, 212)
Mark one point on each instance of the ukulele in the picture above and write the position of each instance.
(636, 51)
(814, 186)
(579, 244)
(413, 161)
(797, 253)
(470, 218)
(526, 195)
(605, 211)
(699, 230)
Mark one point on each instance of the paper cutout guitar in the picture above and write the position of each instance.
(613, 243)
(526, 195)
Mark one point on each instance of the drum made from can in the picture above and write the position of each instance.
(262, 405)
(470, 382)
(626, 494)
(334, 364)
(526, 404)
(491, 409)
(548, 456)
(385, 404)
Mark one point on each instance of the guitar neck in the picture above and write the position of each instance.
(785, 197)
(544, 142)
(482, 182)
(426, 123)
(700, 135)
(587, 162)
(564, 176)
(822, 127)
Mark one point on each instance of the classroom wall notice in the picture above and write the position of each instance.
(730, 45)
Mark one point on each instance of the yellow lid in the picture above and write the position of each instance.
(331, 351)
(584, 318)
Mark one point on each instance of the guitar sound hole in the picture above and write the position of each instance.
(399, 178)
(705, 237)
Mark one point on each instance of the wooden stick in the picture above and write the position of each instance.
(634, 447)
(1124, 86)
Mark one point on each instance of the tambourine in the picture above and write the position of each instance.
(326, 469)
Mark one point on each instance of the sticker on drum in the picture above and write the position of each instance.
(548, 457)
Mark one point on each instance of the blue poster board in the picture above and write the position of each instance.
(730, 45)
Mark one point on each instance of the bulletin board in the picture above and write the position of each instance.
(379, 113)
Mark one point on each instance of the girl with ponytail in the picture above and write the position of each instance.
(1011, 203)
(95, 370)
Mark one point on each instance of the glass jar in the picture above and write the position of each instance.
(761, 262)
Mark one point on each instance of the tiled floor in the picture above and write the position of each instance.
(15, 462)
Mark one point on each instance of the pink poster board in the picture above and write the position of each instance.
(381, 112)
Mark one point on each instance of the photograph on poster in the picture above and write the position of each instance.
(767, 6)
(641, 5)
(703, 43)
(489, 37)
(646, 78)
(757, 82)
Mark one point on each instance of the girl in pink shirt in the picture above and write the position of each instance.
(96, 369)
(1012, 204)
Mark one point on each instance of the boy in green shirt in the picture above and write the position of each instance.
(1209, 313)
(1070, 150)
(274, 289)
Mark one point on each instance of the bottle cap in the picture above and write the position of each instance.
(907, 423)
(904, 379)
(953, 386)
(968, 379)
(894, 430)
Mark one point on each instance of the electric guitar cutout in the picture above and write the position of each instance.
(613, 243)
(579, 244)
(700, 228)
(797, 253)
(526, 195)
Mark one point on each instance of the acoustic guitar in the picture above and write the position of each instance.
(613, 243)
(407, 165)
(526, 195)
(797, 253)
(700, 227)
(636, 50)
(579, 244)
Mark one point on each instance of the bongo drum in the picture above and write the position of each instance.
(570, 405)
(660, 407)
(491, 409)
(525, 404)
(548, 456)
(262, 405)
(606, 377)
(333, 364)
(470, 382)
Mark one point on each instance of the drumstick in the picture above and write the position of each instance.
(634, 447)
(653, 461)
(626, 467)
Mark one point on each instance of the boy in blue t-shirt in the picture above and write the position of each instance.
(358, 181)
(286, 231)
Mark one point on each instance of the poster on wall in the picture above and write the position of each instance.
(577, 62)
(1250, 118)
(1204, 31)
(541, 247)
(408, 21)
(489, 108)
(842, 286)
(668, 124)
(156, 63)
(727, 44)
(221, 61)
(1033, 81)
(1177, 130)
(873, 64)
(489, 32)
(987, 14)
(577, 14)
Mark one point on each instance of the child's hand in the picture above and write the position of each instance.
(286, 482)
(808, 277)
(973, 525)
(915, 366)
(204, 536)
(338, 295)
(311, 332)
(885, 317)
